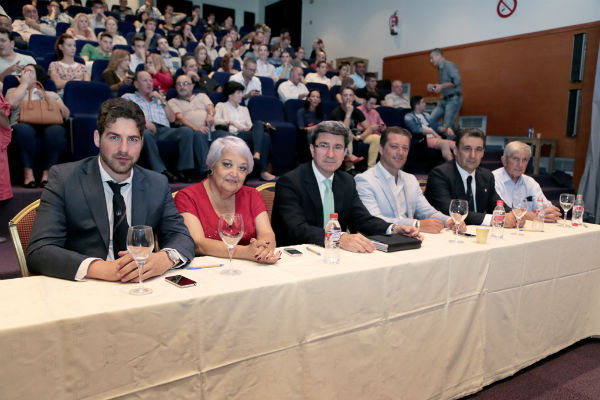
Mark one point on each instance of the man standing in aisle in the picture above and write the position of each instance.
(306, 196)
(450, 86)
(81, 224)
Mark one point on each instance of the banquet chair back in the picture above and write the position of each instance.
(267, 191)
(20, 232)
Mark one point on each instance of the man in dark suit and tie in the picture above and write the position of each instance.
(81, 224)
(462, 177)
(305, 196)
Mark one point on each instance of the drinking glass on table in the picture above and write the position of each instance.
(231, 230)
(566, 203)
(140, 243)
(519, 209)
(458, 211)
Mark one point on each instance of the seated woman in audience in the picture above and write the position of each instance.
(162, 80)
(210, 43)
(203, 59)
(176, 44)
(343, 73)
(117, 73)
(311, 114)
(377, 125)
(237, 120)
(187, 35)
(65, 69)
(81, 28)
(319, 76)
(168, 24)
(112, 27)
(299, 60)
(227, 64)
(222, 192)
(54, 137)
(228, 47)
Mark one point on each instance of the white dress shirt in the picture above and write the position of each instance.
(505, 187)
(254, 83)
(287, 90)
(464, 175)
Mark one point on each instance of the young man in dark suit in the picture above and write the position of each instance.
(79, 226)
(305, 196)
(463, 178)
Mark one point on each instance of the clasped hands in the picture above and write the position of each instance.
(263, 252)
(124, 268)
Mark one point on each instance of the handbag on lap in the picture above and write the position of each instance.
(40, 112)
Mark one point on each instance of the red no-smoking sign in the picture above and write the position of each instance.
(506, 8)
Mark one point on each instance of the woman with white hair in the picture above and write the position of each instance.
(229, 161)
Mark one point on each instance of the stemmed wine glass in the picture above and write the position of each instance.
(566, 202)
(231, 230)
(140, 243)
(458, 211)
(519, 209)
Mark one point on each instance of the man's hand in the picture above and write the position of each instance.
(111, 270)
(511, 222)
(157, 264)
(431, 225)
(356, 243)
(450, 224)
(203, 129)
(551, 214)
(151, 127)
(406, 230)
(210, 120)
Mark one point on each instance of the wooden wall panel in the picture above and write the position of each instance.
(516, 81)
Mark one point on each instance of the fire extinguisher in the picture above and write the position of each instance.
(394, 23)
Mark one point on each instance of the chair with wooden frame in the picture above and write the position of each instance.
(20, 231)
(267, 191)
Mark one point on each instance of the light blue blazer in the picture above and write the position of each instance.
(378, 198)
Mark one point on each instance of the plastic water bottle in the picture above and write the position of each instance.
(498, 217)
(540, 214)
(332, 240)
(577, 218)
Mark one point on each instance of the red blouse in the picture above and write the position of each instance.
(248, 202)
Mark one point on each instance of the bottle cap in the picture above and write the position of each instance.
(500, 202)
(333, 215)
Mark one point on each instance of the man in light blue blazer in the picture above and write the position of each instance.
(394, 195)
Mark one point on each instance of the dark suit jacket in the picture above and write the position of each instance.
(72, 221)
(444, 184)
(298, 211)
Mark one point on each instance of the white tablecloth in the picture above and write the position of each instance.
(438, 322)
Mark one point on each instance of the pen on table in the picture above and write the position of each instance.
(206, 266)
(313, 251)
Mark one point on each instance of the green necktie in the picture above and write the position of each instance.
(327, 201)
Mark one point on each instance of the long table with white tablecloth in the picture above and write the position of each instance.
(441, 321)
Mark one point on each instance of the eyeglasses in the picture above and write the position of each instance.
(326, 147)
(186, 83)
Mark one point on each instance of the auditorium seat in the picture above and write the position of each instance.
(97, 68)
(291, 108)
(41, 44)
(268, 87)
(80, 43)
(221, 77)
(321, 87)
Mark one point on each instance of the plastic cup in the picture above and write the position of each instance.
(482, 234)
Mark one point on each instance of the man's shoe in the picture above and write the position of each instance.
(172, 178)
(30, 185)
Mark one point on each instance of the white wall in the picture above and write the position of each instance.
(360, 28)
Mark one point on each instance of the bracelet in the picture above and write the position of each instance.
(418, 224)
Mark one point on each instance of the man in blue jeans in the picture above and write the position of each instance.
(450, 86)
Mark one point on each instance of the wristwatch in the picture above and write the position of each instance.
(173, 256)
(418, 224)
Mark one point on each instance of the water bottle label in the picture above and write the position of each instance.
(499, 218)
(333, 235)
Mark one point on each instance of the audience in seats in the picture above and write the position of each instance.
(187, 36)
(419, 123)
(138, 44)
(209, 41)
(6, 23)
(5, 137)
(122, 9)
(81, 28)
(159, 117)
(195, 20)
(227, 63)
(201, 82)
(396, 99)
(162, 80)
(343, 76)
(283, 71)
(176, 44)
(321, 56)
(117, 73)
(102, 51)
(293, 88)
(31, 24)
(250, 83)
(305, 196)
(319, 76)
(97, 17)
(227, 47)
(377, 126)
(228, 24)
(150, 35)
(54, 141)
(203, 60)
(65, 69)
(370, 89)
(317, 45)
(275, 59)
(211, 23)
(360, 67)
(223, 191)
(298, 59)
(55, 16)
(149, 8)
(395, 196)
(11, 62)
(236, 119)
(197, 112)
(355, 121)
(311, 114)
(173, 63)
(263, 68)
(510, 181)
(284, 43)
(112, 27)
